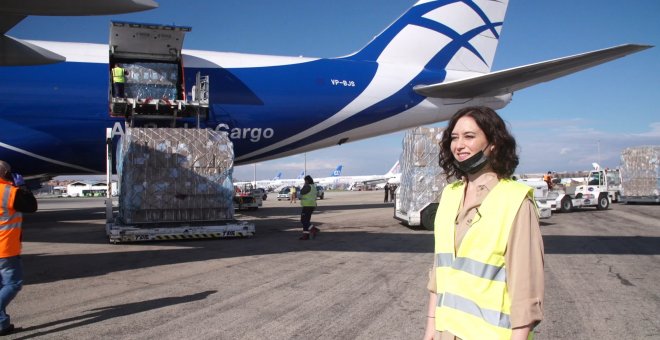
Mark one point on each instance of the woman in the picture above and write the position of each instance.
(487, 279)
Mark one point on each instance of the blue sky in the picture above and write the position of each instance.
(562, 125)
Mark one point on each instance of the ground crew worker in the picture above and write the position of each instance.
(292, 194)
(308, 202)
(548, 179)
(487, 278)
(15, 199)
(118, 80)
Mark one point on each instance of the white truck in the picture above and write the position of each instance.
(600, 189)
(640, 174)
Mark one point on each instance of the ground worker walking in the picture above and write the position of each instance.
(15, 199)
(308, 202)
(292, 194)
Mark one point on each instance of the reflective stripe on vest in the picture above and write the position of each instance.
(309, 199)
(10, 222)
(476, 268)
(118, 75)
(493, 317)
(473, 299)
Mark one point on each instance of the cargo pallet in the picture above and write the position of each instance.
(119, 232)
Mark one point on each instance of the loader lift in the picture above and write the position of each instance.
(155, 80)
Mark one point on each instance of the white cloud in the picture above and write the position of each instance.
(567, 146)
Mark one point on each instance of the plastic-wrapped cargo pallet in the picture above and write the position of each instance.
(175, 175)
(640, 174)
(422, 178)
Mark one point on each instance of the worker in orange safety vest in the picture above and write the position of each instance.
(15, 199)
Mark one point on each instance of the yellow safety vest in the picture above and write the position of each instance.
(309, 199)
(10, 221)
(473, 301)
(118, 75)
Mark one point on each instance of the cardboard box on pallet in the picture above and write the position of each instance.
(422, 178)
(640, 171)
(175, 175)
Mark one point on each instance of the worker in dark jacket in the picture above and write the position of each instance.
(15, 199)
(308, 201)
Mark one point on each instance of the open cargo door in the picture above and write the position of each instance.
(153, 73)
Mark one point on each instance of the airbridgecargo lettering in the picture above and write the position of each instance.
(252, 134)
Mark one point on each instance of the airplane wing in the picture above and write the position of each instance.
(75, 7)
(517, 78)
(16, 52)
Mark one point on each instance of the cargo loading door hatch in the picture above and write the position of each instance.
(153, 74)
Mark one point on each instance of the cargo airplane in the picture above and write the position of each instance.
(433, 60)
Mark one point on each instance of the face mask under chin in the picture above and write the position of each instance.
(473, 164)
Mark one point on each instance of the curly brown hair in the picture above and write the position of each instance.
(503, 158)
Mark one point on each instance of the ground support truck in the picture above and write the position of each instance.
(246, 198)
(599, 190)
(174, 183)
(640, 174)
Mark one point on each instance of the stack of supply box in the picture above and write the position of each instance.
(640, 171)
(175, 175)
(422, 178)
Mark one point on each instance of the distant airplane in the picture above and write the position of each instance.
(432, 61)
(348, 182)
(266, 184)
(281, 182)
(337, 171)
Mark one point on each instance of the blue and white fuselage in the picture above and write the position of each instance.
(54, 116)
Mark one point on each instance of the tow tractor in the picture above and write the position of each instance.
(245, 198)
(601, 189)
(174, 182)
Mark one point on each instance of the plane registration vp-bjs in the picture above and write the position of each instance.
(432, 61)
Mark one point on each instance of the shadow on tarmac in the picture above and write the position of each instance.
(610, 245)
(278, 229)
(105, 313)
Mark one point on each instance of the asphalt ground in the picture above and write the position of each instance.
(363, 277)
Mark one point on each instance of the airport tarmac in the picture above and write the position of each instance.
(364, 277)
